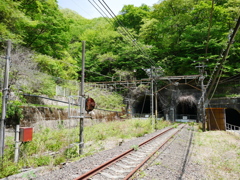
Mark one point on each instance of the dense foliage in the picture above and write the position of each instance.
(173, 34)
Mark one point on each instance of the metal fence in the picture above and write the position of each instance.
(186, 117)
(232, 127)
(146, 115)
(63, 91)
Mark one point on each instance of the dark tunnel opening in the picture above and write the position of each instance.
(186, 108)
(232, 116)
(143, 105)
(186, 111)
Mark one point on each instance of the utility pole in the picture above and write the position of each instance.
(82, 101)
(4, 99)
(152, 97)
(202, 100)
(156, 106)
(172, 104)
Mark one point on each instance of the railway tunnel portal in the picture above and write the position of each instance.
(178, 99)
(230, 115)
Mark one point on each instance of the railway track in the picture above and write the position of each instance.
(126, 164)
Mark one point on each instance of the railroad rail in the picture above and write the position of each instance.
(127, 163)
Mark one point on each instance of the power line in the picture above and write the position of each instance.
(125, 33)
(99, 74)
(218, 74)
(81, 8)
(229, 79)
(115, 19)
(130, 35)
(103, 13)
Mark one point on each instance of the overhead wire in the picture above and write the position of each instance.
(81, 8)
(125, 33)
(220, 69)
(143, 104)
(114, 17)
(100, 74)
(103, 13)
(229, 79)
(112, 14)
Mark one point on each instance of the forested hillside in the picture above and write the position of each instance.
(173, 34)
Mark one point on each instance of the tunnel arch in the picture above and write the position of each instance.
(142, 105)
(186, 106)
(232, 116)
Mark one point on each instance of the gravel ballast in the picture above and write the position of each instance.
(173, 163)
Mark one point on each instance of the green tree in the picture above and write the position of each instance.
(50, 34)
(131, 16)
(178, 31)
(12, 21)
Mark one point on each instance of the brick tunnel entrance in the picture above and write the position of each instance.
(232, 117)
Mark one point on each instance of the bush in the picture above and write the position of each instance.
(14, 113)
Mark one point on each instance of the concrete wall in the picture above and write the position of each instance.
(55, 117)
(233, 103)
(42, 117)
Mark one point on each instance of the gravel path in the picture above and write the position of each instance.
(173, 163)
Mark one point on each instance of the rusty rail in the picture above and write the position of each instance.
(108, 163)
(145, 160)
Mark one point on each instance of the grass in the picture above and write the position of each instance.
(218, 152)
(113, 102)
(53, 147)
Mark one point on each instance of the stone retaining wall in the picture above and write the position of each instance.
(42, 117)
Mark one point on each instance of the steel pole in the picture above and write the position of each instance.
(4, 98)
(156, 106)
(203, 102)
(16, 154)
(152, 99)
(82, 102)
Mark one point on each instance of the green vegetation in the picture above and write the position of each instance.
(218, 154)
(135, 147)
(53, 147)
(173, 33)
(47, 52)
(47, 41)
(105, 99)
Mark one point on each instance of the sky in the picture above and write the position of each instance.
(85, 9)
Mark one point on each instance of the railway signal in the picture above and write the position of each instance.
(89, 104)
